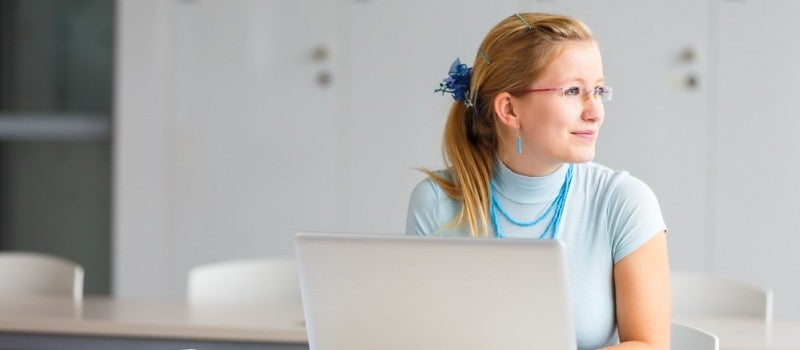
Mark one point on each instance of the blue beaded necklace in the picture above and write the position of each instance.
(557, 208)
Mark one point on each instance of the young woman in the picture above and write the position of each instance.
(518, 142)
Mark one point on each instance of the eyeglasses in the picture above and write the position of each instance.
(603, 93)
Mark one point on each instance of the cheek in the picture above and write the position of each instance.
(552, 121)
(548, 130)
(555, 116)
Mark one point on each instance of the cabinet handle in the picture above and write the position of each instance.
(320, 53)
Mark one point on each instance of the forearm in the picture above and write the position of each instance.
(636, 345)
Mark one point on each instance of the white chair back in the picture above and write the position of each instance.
(685, 337)
(38, 274)
(272, 279)
(696, 294)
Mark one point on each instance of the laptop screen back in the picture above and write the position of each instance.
(433, 293)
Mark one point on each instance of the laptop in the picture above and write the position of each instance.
(387, 292)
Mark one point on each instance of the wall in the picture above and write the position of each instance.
(223, 156)
(227, 155)
(756, 121)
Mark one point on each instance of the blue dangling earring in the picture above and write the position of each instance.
(519, 143)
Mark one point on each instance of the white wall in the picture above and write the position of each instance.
(249, 148)
(140, 249)
(227, 144)
(756, 209)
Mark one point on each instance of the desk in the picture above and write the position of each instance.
(103, 323)
(44, 323)
(749, 333)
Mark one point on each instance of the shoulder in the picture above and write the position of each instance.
(429, 206)
(609, 181)
(428, 190)
(629, 207)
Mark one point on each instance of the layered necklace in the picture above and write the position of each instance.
(556, 209)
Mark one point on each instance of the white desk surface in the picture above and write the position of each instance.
(274, 323)
(749, 333)
(154, 319)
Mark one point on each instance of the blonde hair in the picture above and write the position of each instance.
(519, 51)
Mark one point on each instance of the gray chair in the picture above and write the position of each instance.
(38, 274)
(271, 280)
(685, 337)
(696, 294)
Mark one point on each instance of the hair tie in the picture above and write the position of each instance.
(457, 83)
(523, 21)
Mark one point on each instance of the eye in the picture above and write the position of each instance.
(572, 91)
(604, 92)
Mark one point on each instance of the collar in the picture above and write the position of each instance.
(527, 189)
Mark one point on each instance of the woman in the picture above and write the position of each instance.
(518, 141)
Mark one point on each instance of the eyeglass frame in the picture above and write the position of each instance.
(594, 92)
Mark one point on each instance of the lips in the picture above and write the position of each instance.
(586, 134)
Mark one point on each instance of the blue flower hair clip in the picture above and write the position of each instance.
(457, 83)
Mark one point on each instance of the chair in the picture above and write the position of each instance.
(248, 280)
(684, 337)
(38, 274)
(696, 294)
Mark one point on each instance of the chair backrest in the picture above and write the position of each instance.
(271, 279)
(38, 274)
(696, 294)
(685, 337)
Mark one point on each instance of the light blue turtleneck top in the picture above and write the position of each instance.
(608, 214)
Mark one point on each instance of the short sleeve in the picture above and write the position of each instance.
(634, 216)
(422, 206)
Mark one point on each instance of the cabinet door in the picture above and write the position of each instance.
(248, 120)
(756, 187)
(655, 55)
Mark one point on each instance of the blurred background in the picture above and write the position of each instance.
(143, 137)
(56, 92)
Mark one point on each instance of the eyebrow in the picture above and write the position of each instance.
(568, 81)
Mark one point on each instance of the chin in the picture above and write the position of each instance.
(582, 157)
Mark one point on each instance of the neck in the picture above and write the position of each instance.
(528, 166)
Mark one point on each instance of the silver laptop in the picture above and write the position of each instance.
(386, 292)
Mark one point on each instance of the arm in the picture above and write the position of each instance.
(641, 281)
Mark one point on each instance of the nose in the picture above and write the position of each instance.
(593, 109)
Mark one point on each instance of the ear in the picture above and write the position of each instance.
(504, 110)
